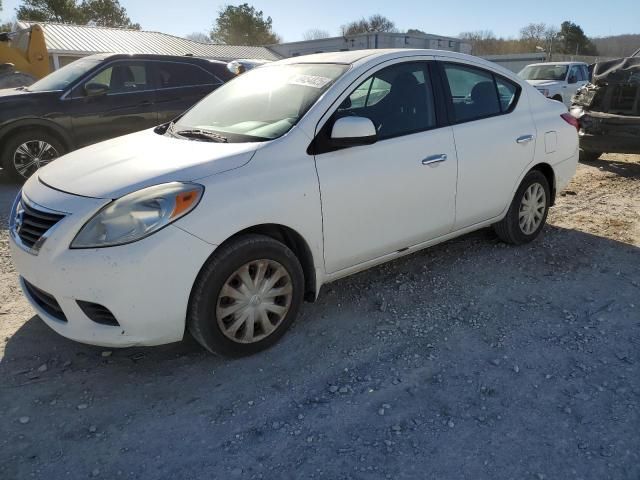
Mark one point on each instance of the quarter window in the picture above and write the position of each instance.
(477, 93)
(398, 100)
(172, 75)
(507, 92)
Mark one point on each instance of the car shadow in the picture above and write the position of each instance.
(381, 294)
(623, 169)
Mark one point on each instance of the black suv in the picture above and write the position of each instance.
(96, 98)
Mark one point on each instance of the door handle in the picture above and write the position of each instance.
(524, 139)
(435, 159)
(145, 103)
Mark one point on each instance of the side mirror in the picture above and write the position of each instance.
(95, 89)
(352, 131)
(573, 79)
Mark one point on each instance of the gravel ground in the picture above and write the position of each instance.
(468, 360)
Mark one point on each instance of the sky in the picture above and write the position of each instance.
(292, 18)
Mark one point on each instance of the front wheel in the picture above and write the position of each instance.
(528, 211)
(26, 152)
(246, 296)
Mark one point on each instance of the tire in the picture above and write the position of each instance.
(208, 303)
(509, 229)
(29, 141)
(589, 155)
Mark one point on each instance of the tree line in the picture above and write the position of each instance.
(569, 38)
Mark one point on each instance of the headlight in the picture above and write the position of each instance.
(544, 91)
(138, 215)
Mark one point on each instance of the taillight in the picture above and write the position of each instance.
(571, 120)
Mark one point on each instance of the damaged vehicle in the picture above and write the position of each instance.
(608, 109)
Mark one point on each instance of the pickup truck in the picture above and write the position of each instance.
(558, 81)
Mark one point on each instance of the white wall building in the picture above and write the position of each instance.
(371, 40)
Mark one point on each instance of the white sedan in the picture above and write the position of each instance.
(290, 176)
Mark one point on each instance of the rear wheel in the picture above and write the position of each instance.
(246, 296)
(528, 211)
(26, 152)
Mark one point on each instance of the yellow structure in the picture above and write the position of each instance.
(27, 50)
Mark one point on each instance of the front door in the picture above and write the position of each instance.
(118, 100)
(400, 191)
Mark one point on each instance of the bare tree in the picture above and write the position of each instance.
(198, 37)
(534, 34)
(482, 41)
(375, 23)
(315, 34)
(618, 45)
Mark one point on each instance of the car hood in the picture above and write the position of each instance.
(123, 165)
(11, 93)
(544, 83)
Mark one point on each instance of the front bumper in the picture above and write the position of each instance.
(146, 284)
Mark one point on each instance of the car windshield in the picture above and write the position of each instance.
(544, 72)
(261, 104)
(63, 77)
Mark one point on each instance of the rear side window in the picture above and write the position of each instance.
(477, 93)
(173, 75)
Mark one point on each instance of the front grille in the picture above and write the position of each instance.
(98, 313)
(34, 223)
(45, 301)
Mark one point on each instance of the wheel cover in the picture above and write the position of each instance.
(32, 155)
(254, 301)
(532, 208)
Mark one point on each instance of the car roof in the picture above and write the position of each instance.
(148, 56)
(360, 57)
(555, 63)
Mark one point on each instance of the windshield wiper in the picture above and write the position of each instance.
(202, 135)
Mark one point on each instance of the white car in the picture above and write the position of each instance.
(288, 177)
(559, 81)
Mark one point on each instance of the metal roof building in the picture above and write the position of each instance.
(67, 43)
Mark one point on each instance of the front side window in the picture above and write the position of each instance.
(474, 94)
(398, 100)
(262, 104)
(122, 77)
(574, 74)
(173, 75)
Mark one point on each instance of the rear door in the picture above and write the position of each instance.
(494, 137)
(180, 86)
(127, 104)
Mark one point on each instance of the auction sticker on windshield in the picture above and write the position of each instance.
(309, 81)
